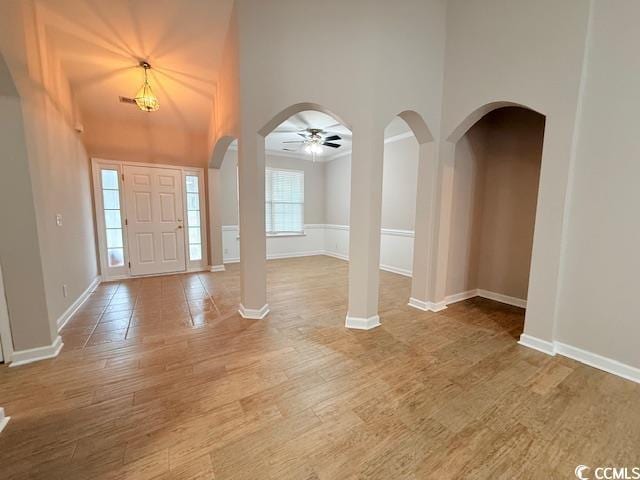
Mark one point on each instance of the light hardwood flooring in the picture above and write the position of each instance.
(160, 378)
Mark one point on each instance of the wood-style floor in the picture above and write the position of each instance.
(161, 379)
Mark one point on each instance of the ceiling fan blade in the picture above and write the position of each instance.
(329, 127)
(333, 137)
(290, 149)
(301, 119)
(294, 141)
(332, 145)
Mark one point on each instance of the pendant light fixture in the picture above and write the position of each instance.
(145, 99)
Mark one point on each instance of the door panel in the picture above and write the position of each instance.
(154, 219)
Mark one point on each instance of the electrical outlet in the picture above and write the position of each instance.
(65, 291)
(59, 219)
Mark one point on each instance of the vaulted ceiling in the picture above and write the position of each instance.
(100, 44)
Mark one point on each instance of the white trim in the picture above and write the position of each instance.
(397, 233)
(459, 297)
(336, 227)
(427, 306)
(478, 292)
(6, 339)
(359, 323)
(396, 270)
(598, 361)
(339, 256)
(253, 314)
(217, 268)
(543, 346)
(68, 313)
(594, 360)
(499, 297)
(3, 420)
(23, 357)
(278, 256)
(230, 228)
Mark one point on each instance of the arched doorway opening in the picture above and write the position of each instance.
(281, 185)
(407, 144)
(496, 172)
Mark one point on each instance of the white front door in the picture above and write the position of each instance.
(154, 212)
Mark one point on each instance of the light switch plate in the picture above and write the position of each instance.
(59, 219)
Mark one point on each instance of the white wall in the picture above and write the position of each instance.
(599, 310)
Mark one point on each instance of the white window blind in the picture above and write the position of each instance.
(284, 202)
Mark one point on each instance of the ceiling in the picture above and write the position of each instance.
(288, 130)
(100, 44)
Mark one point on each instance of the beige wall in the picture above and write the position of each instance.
(313, 186)
(599, 309)
(137, 143)
(58, 168)
(337, 187)
(399, 183)
(496, 184)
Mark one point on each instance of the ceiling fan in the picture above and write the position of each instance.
(313, 139)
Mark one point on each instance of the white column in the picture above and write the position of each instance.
(424, 239)
(3, 420)
(215, 221)
(442, 231)
(364, 236)
(253, 264)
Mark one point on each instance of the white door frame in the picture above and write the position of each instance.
(6, 341)
(119, 273)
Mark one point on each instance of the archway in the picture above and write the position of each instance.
(407, 199)
(221, 207)
(493, 186)
(281, 199)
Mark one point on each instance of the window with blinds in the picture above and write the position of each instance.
(284, 201)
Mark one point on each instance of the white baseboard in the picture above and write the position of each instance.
(499, 297)
(278, 256)
(459, 297)
(23, 357)
(598, 361)
(360, 323)
(217, 268)
(68, 313)
(337, 255)
(478, 292)
(396, 270)
(594, 360)
(543, 346)
(254, 314)
(427, 306)
(3, 420)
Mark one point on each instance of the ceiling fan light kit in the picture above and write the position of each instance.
(313, 141)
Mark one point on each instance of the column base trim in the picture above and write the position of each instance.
(3, 420)
(217, 268)
(427, 306)
(359, 323)
(23, 357)
(252, 314)
(543, 346)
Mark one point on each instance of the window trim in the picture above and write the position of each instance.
(287, 233)
(195, 264)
